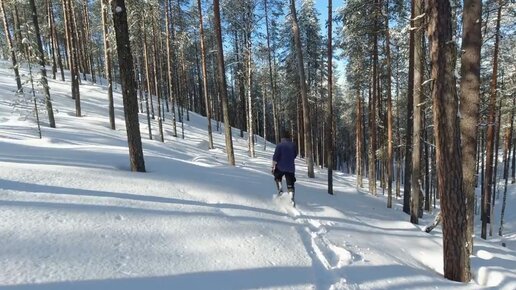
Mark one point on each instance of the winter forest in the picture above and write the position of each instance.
(408, 105)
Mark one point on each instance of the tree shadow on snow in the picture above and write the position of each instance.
(271, 277)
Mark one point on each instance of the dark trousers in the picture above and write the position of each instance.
(289, 176)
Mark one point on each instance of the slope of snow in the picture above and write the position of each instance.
(72, 215)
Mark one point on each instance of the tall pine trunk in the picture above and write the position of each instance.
(55, 42)
(389, 109)
(41, 61)
(329, 120)
(107, 64)
(488, 177)
(271, 78)
(358, 140)
(373, 106)
(303, 90)
(222, 83)
(507, 148)
(156, 70)
(249, 89)
(73, 59)
(170, 67)
(51, 45)
(447, 137)
(410, 109)
(416, 183)
(125, 61)
(205, 77)
(11, 48)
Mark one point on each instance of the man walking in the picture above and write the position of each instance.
(283, 164)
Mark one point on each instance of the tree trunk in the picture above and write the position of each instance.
(18, 38)
(107, 64)
(329, 120)
(426, 156)
(507, 148)
(495, 170)
(447, 136)
(486, 204)
(303, 90)
(205, 77)
(79, 41)
(51, 39)
(416, 184)
(373, 106)
(125, 61)
(358, 140)
(41, 61)
(250, 115)
(88, 44)
(156, 68)
(11, 48)
(410, 108)
(389, 109)
(55, 41)
(170, 67)
(271, 78)
(72, 55)
(222, 83)
(513, 179)
(147, 74)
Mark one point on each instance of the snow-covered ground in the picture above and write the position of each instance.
(72, 215)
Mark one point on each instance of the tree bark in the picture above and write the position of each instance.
(170, 67)
(87, 36)
(373, 112)
(271, 75)
(249, 71)
(55, 42)
(41, 61)
(303, 90)
(329, 120)
(156, 68)
(447, 136)
(222, 83)
(389, 109)
(51, 39)
(358, 140)
(11, 48)
(507, 148)
(125, 61)
(107, 64)
(416, 183)
(205, 77)
(72, 55)
(410, 108)
(486, 196)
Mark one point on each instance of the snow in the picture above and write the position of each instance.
(72, 215)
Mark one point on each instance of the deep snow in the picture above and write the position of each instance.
(72, 215)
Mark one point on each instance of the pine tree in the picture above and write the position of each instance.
(488, 177)
(469, 104)
(304, 91)
(205, 76)
(41, 61)
(222, 84)
(107, 63)
(11, 48)
(125, 62)
(416, 183)
(447, 136)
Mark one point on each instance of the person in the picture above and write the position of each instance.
(283, 164)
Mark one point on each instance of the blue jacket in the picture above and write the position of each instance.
(284, 155)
